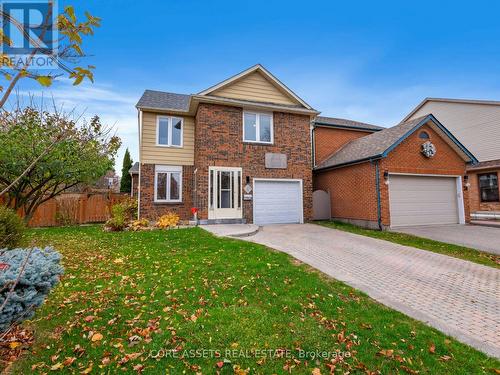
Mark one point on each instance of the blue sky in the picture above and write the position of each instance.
(363, 60)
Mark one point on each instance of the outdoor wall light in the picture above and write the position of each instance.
(466, 182)
(247, 179)
(386, 177)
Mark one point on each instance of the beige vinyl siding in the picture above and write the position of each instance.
(476, 126)
(257, 88)
(153, 154)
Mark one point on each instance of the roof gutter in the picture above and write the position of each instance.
(358, 161)
(345, 127)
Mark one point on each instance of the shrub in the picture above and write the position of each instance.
(139, 224)
(41, 274)
(121, 214)
(129, 207)
(168, 220)
(11, 228)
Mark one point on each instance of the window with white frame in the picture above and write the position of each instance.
(169, 131)
(168, 183)
(257, 127)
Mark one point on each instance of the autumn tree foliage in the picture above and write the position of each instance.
(69, 51)
(67, 153)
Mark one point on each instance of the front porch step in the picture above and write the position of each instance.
(222, 221)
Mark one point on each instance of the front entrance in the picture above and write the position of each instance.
(224, 190)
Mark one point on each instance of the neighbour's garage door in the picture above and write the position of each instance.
(422, 200)
(277, 202)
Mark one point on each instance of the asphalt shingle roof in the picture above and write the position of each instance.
(135, 168)
(322, 120)
(164, 100)
(370, 146)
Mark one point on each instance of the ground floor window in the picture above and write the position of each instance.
(488, 186)
(168, 183)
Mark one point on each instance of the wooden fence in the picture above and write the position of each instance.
(80, 208)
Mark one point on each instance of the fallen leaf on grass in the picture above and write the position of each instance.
(386, 352)
(316, 371)
(432, 348)
(57, 366)
(14, 344)
(69, 361)
(97, 337)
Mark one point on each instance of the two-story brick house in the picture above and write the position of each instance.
(238, 151)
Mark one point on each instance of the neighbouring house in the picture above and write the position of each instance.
(110, 182)
(410, 174)
(239, 151)
(476, 123)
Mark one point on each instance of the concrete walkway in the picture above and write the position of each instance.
(231, 230)
(460, 298)
(474, 236)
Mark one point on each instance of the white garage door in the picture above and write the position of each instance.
(277, 202)
(422, 200)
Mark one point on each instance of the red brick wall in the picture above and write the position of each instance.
(352, 189)
(218, 142)
(474, 193)
(151, 210)
(329, 140)
(407, 158)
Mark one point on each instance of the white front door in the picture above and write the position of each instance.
(224, 191)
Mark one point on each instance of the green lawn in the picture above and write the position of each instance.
(456, 251)
(127, 295)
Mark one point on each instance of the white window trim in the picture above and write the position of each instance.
(257, 127)
(169, 119)
(167, 169)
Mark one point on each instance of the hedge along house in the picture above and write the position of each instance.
(239, 151)
(410, 174)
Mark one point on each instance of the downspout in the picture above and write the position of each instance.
(377, 186)
(313, 150)
(139, 177)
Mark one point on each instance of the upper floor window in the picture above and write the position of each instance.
(257, 127)
(169, 131)
(488, 186)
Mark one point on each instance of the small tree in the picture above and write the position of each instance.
(126, 180)
(77, 154)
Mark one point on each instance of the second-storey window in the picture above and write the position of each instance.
(257, 127)
(168, 183)
(169, 131)
(488, 185)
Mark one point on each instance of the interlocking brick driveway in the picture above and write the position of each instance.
(458, 297)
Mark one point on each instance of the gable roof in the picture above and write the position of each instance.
(256, 68)
(134, 169)
(449, 100)
(379, 144)
(164, 100)
(344, 123)
(172, 102)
